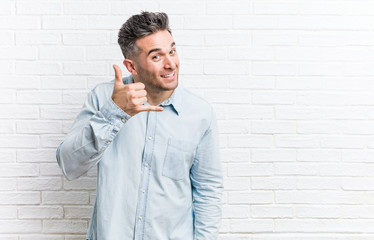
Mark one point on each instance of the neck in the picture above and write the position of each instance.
(156, 97)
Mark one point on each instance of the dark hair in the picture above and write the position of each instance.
(139, 26)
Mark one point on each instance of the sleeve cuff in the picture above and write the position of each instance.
(115, 115)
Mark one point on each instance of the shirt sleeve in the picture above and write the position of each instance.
(92, 132)
(207, 185)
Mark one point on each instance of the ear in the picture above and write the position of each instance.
(130, 65)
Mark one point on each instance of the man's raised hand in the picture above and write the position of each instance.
(130, 97)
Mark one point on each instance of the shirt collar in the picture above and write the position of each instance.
(175, 100)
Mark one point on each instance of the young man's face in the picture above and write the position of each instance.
(157, 64)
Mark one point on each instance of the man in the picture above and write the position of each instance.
(154, 143)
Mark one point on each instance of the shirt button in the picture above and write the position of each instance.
(140, 217)
(115, 130)
(143, 191)
(150, 137)
(123, 120)
(108, 142)
(146, 164)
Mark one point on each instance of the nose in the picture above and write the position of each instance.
(169, 62)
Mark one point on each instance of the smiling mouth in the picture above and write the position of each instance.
(168, 75)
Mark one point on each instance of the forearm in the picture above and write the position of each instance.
(90, 136)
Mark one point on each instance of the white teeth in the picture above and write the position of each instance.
(171, 74)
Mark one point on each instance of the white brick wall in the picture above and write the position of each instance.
(291, 80)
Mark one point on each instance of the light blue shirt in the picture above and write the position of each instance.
(158, 173)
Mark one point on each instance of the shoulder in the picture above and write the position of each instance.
(197, 106)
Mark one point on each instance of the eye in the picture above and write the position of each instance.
(156, 57)
(173, 51)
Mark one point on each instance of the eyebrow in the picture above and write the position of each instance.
(159, 49)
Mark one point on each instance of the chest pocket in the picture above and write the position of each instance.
(178, 159)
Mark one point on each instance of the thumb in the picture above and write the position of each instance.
(118, 74)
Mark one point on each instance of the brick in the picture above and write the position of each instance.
(318, 183)
(103, 53)
(6, 68)
(74, 98)
(274, 98)
(292, 169)
(40, 183)
(38, 68)
(64, 82)
(207, 22)
(19, 170)
(235, 155)
(227, 97)
(85, 68)
(248, 225)
(37, 156)
(6, 7)
(61, 53)
(38, 8)
(85, 38)
(250, 170)
(19, 141)
(7, 155)
(203, 53)
(273, 183)
(21, 112)
(239, 53)
(37, 37)
(267, 69)
(8, 213)
(63, 197)
(80, 184)
(38, 97)
(18, 53)
(343, 142)
(276, 38)
(51, 141)
(19, 198)
(8, 184)
(297, 141)
(339, 197)
(275, 7)
(188, 38)
(17, 82)
(273, 155)
(106, 22)
(321, 8)
(232, 68)
(262, 211)
(64, 226)
(243, 82)
(228, 7)
(86, 8)
(263, 197)
(184, 7)
(7, 126)
(20, 22)
(233, 126)
(131, 7)
(346, 169)
(41, 237)
(38, 127)
(237, 211)
(253, 112)
(78, 212)
(66, 113)
(205, 82)
(64, 22)
(6, 37)
(50, 169)
(236, 183)
(227, 38)
(297, 197)
(255, 22)
(250, 141)
(20, 226)
(40, 212)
